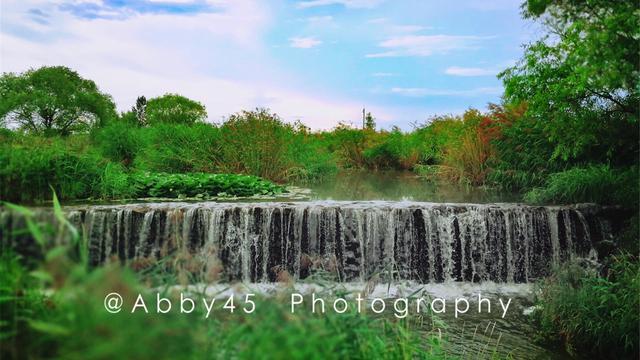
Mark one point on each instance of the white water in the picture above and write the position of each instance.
(351, 241)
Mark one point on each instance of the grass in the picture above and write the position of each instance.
(475, 149)
(591, 314)
(29, 165)
(597, 183)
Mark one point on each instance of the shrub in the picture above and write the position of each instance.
(312, 160)
(468, 162)
(595, 183)
(118, 141)
(394, 150)
(30, 167)
(348, 144)
(592, 314)
(256, 143)
(178, 148)
(115, 183)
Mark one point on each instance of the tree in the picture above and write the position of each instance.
(369, 122)
(174, 109)
(53, 100)
(140, 109)
(581, 80)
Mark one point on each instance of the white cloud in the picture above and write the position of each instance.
(172, 1)
(470, 71)
(377, 21)
(382, 74)
(154, 54)
(422, 92)
(304, 42)
(319, 19)
(407, 28)
(426, 45)
(353, 4)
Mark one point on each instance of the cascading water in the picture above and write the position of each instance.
(427, 242)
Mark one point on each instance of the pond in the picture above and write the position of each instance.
(399, 186)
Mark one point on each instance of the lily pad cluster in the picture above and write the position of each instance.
(202, 185)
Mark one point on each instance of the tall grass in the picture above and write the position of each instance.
(468, 162)
(590, 314)
(596, 183)
(257, 143)
(29, 166)
(178, 148)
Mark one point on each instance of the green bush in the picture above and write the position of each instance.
(31, 166)
(395, 150)
(115, 183)
(178, 148)
(593, 315)
(596, 183)
(524, 155)
(118, 141)
(348, 144)
(311, 158)
(257, 143)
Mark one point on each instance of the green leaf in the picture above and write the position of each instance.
(49, 328)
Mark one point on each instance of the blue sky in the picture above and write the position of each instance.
(319, 61)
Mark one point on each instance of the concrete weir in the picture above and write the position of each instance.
(426, 242)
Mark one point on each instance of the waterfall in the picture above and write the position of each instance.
(258, 242)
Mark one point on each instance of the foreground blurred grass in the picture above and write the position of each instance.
(54, 309)
(592, 314)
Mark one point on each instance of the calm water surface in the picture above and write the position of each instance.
(397, 186)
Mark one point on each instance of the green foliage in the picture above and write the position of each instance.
(30, 165)
(312, 160)
(457, 149)
(593, 315)
(119, 141)
(393, 150)
(201, 185)
(437, 135)
(595, 183)
(524, 153)
(581, 82)
(257, 143)
(369, 122)
(179, 148)
(173, 109)
(115, 183)
(348, 144)
(370, 149)
(53, 100)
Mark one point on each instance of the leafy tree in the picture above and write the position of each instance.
(53, 100)
(174, 109)
(581, 80)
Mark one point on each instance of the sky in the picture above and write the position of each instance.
(318, 61)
